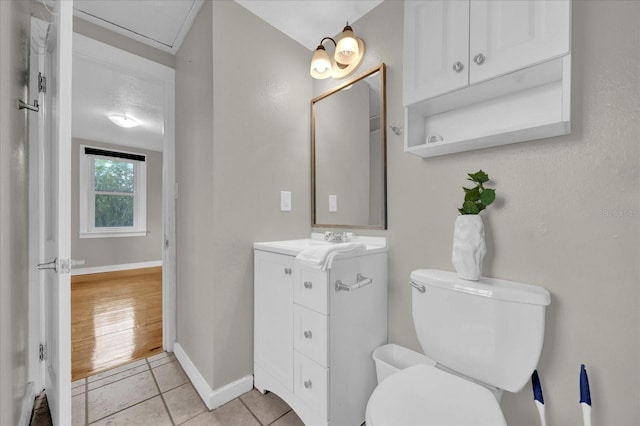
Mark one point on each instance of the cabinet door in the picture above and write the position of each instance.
(436, 48)
(514, 34)
(273, 320)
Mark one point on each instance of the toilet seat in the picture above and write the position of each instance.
(425, 395)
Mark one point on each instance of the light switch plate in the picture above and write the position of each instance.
(333, 203)
(285, 201)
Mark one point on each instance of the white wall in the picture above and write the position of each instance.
(14, 213)
(121, 250)
(194, 205)
(551, 224)
(242, 136)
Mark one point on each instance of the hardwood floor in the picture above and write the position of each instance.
(116, 317)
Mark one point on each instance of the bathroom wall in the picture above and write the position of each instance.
(194, 204)
(242, 136)
(567, 215)
(14, 208)
(118, 250)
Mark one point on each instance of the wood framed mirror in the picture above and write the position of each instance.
(348, 154)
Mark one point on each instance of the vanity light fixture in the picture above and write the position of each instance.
(123, 120)
(348, 55)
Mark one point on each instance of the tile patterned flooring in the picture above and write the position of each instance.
(156, 391)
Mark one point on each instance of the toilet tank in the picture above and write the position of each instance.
(490, 330)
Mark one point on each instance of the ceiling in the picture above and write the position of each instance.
(100, 89)
(164, 24)
(107, 80)
(160, 24)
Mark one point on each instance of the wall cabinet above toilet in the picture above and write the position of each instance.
(451, 44)
(500, 56)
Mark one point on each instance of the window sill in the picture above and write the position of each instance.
(113, 234)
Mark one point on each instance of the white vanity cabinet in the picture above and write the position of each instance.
(479, 73)
(314, 338)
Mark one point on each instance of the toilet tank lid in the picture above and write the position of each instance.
(486, 287)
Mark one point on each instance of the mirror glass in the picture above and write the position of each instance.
(348, 154)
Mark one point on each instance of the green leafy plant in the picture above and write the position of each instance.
(477, 198)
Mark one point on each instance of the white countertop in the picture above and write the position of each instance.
(294, 247)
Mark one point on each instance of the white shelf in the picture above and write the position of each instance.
(528, 104)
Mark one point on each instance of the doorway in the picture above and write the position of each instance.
(150, 71)
(122, 297)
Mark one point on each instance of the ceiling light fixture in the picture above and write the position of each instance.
(123, 120)
(348, 55)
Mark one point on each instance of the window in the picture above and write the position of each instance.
(113, 193)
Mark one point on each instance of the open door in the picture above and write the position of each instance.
(55, 171)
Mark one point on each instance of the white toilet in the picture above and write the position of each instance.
(483, 336)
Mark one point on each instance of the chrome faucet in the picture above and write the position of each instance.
(338, 237)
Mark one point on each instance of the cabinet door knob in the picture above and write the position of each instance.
(287, 271)
(308, 334)
(307, 384)
(458, 66)
(308, 284)
(479, 59)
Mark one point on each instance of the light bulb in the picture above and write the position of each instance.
(347, 49)
(321, 66)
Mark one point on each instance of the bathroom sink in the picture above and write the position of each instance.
(290, 247)
(293, 247)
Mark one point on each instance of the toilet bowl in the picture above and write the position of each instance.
(483, 337)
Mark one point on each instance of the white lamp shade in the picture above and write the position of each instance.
(320, 64)
(347, 51)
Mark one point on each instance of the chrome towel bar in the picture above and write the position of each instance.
(361, 281)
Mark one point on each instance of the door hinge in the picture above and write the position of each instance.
(42, 83)
(43, 352)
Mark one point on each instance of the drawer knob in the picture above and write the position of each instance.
(308, 284)
(308, 334)
(287, 271)
(458, 67)
(479, 59)
(307, 384)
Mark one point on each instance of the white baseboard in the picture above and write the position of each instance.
(113, 268)
(27, 405)
(213, 398)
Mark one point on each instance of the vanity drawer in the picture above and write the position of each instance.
(310, 383)
(310, 334)
(310, 289)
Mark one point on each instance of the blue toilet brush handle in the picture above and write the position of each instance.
(585, 396)
(538, 397)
